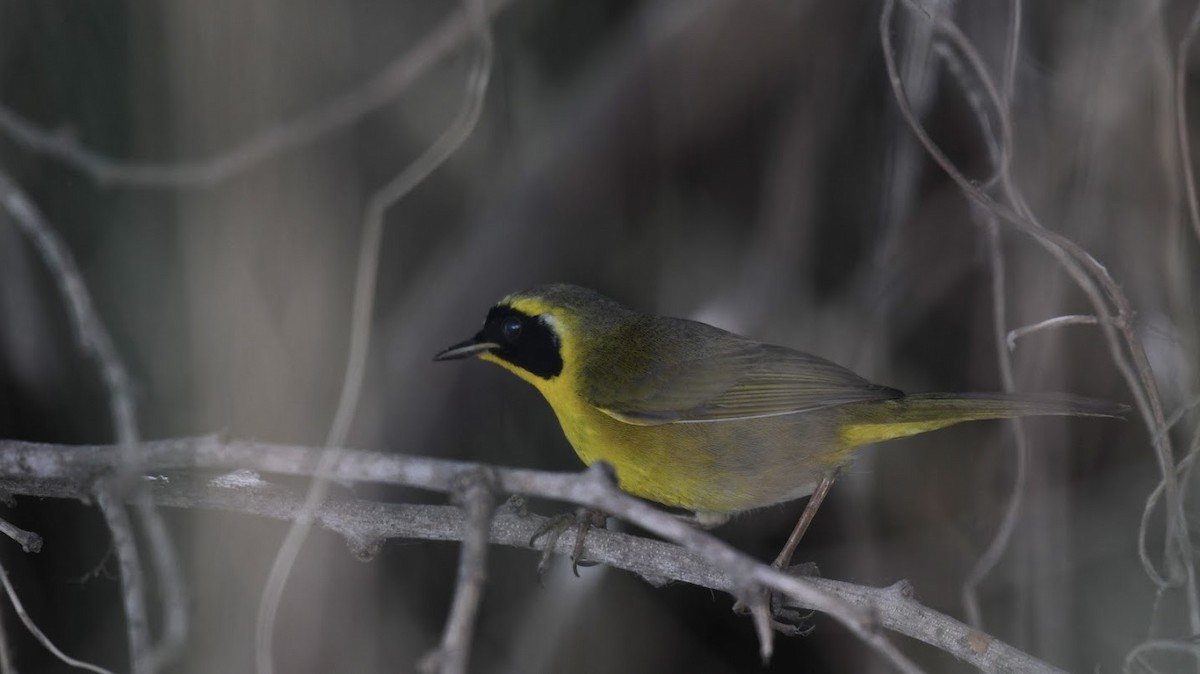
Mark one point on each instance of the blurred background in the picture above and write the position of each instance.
(741, 163)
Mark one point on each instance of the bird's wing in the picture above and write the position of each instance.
(728, 378)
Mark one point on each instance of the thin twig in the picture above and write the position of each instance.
(1012, 52)
(995, 550)
(89, 330)
(29, 541)
(6, 664)
(360, 322)
(1181, 125)
(276, 139)
(133, 583)
(1182, 470)
(1178, 414)
(1139, 653)
(387, 196)
(1001, 156)
(38, 634)
(479, 504)
(170, 584)
(1056, 322)
(1184, 139)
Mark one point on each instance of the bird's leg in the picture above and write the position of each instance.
(814, 502)
(789, 621)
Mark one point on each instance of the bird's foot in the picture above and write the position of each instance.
(583, 519)
(786, 620)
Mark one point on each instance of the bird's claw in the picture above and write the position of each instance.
(785, 620)
(554, 528)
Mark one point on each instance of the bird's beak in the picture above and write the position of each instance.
(472, 346)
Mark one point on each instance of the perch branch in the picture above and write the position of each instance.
(65, 472)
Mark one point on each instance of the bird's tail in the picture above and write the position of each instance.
(865, 423)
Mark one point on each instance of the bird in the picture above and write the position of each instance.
(695, 417)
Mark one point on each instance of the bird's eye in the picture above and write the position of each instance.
(511, 328)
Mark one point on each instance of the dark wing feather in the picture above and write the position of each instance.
(673, 373)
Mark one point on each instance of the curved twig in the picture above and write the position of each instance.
(1094, 280)
(360, 321)
(37, 633)
(96, 343)
(284, 136)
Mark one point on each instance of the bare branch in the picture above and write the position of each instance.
(282, 137)
(65, 472)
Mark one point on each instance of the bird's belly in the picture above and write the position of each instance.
(718, 467)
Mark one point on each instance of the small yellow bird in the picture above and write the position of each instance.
(692, 416)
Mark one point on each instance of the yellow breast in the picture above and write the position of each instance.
(642, 464)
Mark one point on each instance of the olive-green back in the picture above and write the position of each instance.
(651, 370)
